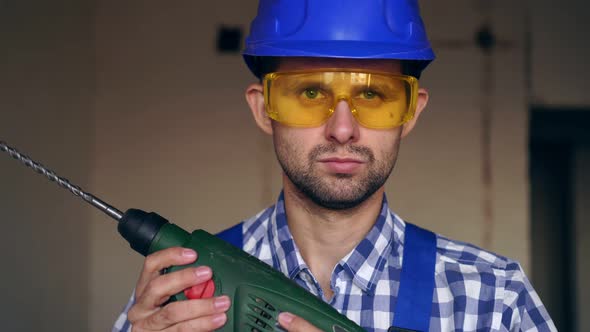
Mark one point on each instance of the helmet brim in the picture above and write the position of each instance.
(336, 49)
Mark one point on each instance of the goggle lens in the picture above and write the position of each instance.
(308, 99)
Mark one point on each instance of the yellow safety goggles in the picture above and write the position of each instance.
(308, 99)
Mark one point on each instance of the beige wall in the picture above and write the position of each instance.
(559, 66)
(172, 131)
(46, 103)
(130, 100)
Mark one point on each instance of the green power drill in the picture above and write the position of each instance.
(258, 292)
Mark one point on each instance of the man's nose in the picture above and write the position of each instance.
(342, 126)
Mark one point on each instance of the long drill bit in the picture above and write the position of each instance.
(76, 190)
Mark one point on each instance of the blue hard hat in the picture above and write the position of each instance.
(361, 29)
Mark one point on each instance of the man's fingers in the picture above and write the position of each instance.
(160, 260)
(294, 323)
(191, 312)
(202, 324)
(158, 290)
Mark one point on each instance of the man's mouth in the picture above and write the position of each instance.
(342, 165)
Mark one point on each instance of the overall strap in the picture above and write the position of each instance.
(414, 301)
(233, 236)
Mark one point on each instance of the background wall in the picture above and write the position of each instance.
(559, 53)
(47, 89)
(155, 118)
(173, 134)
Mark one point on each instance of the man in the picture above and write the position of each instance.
(338, 93)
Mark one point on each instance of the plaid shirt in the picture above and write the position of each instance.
(475, 290)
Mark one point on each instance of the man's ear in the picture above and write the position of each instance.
(255, 98)
(421, 102)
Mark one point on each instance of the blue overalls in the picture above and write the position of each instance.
(414, 299)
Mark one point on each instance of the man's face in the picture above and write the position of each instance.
(339, 164)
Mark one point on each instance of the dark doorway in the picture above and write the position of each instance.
(559, 145)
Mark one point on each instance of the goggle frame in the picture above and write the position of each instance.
(411, 81)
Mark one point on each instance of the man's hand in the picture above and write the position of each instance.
(294, 323)
(153, 290)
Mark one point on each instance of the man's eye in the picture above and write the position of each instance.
(369, 94)
(312, 93)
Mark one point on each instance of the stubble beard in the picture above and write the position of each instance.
(337, 191)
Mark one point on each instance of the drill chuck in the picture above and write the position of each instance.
(140, 228)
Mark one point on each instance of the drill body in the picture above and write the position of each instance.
(257, 291)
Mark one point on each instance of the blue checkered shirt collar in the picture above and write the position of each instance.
(363, 265)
